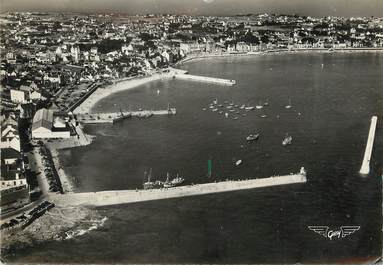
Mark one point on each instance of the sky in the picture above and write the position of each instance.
(345, 8)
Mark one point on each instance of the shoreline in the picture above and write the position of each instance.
(133, 82)
(124, 84)
(121, 85)
(268, 52)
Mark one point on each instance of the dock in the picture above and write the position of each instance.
(104, 198)
(365, 168)
(214, 80)
(94, 118)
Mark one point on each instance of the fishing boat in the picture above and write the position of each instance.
(215, 101)
(203, 109)
(177, 181)
(214, 110)
(148, 184)
(287, 141)
(235, 118)
(121, 117)
(242, 107)
(167, 183)
(264, 116)
(227, 115)
(238, 162)
(288, 106)
(252, 137)
(249, 108)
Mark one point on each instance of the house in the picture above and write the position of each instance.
(14, 189)
(18, 96)
(35, 95)
(9, 155)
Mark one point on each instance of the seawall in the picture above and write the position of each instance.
(104, 198)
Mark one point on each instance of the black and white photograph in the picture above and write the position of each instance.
(191, 131)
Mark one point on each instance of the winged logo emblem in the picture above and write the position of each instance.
(325, 231)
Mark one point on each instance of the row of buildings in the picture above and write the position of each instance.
(14, 186)
(46, 54)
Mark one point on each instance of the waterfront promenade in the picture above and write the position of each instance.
(104, 198)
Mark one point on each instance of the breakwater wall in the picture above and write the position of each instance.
(94, 118)
(220, 81)
(365, 168)
(104, 198)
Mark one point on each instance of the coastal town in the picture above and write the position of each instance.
(55, 66)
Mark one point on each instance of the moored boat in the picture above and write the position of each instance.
(252, 137)
(287, 141)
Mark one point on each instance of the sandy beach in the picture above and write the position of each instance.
(121, 85)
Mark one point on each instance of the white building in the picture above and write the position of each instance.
(18, 96)
(44, 123)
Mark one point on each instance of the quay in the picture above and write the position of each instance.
(365, 168)
(104, 198)
(93, 118)
(213, 80)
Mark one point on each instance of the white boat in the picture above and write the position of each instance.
(264, 116)
(288, 106)
(259, 106)
(227, 115)
(252, 137)
(287, 141)
(158, 91)
(249, 108)
(215, 101)
(238, 162)
(235, 118)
